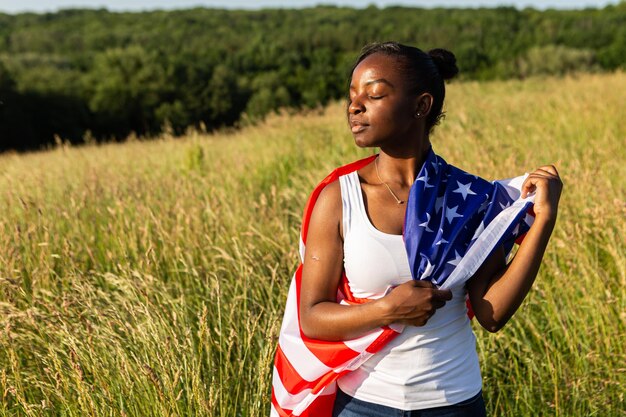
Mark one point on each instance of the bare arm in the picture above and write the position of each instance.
(321, 317)
(496, 291)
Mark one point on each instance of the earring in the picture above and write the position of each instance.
(417, 115)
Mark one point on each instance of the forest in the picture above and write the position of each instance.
(82, 76)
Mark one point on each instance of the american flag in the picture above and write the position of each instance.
(454, 221)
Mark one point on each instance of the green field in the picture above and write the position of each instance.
(148, 278)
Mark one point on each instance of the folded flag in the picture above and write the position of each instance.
(453, 222)
(452, 214)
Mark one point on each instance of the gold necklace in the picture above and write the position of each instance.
(387, 185)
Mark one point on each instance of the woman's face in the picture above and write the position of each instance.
(381, 109)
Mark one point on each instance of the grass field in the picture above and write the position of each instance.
(148, 278)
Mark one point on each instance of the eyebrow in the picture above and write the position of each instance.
(376, 81)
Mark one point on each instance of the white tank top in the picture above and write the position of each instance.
(424, 367)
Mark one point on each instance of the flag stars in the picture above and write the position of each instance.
(441, 240)
(439, 204)
(479, 230)
(464, 189)
(456, 260)
(428, 270)
(425, 179)
(425, 224)
(529, 219)
(451, 213)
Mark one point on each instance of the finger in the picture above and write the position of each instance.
(541, 179)
(445, 295)
(529, 186)
(539, 173)
(418, 322)
(550, 168)
(530, 183)
(545, 173)
(437, 304)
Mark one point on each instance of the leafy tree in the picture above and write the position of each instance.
(554, 59)
(7, 83)
(613, 56)
(126, 86)
(7, 97)
(269, 92)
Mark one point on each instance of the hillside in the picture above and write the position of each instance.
(99, 74)
(148, 278)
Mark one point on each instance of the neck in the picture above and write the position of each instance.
(402, 166)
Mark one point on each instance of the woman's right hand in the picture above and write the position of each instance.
(414, 302)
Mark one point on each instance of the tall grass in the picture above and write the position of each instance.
(149, 278)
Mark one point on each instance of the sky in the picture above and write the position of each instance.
(41, 6)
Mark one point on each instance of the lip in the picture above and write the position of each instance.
(358, 126)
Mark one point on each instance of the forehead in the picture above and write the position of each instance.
(377, 66)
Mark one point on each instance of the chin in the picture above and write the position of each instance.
(362, 142)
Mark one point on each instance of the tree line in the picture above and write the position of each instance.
(83, 75)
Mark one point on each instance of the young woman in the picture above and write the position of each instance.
(356, 227)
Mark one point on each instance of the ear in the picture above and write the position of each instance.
(423, 104)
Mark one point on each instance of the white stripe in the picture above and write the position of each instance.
(513, 186)
(361, 343)
(298, 402)
(327, 390)
(302, 249)
(273, 412)
(283, 397)
(485, 243)
(396, 327)
(303, 360)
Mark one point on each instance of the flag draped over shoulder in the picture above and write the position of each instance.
(454, 221)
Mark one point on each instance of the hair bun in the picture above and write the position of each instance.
(445, 62)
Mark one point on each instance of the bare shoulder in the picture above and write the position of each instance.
(327, 211)
(331, 194)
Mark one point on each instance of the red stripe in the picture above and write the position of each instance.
(321, 406)
(281, 411)
(294, 383)
(349, 298)
(520, 239)
(289, 375)
(382, 340)
(331, 354)
(470, 310)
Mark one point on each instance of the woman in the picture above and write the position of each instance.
(356, 227)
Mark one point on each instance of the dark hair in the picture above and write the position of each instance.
(425, 71)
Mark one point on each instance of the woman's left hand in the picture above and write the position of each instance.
(547, 185)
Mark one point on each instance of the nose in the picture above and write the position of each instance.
(356, 106)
